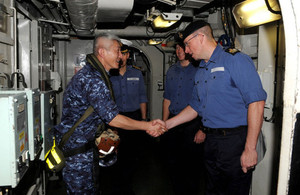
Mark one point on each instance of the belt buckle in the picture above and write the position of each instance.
(205, 129)
(224, 132)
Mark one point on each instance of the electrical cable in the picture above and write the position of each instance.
(270, 8)
(181, 4)
(272, 118)
(164, 64)
(22, 79)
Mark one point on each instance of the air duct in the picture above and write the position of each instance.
(83, 15)
(113, 10)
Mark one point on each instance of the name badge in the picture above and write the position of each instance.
(217, 69)
(133, 79)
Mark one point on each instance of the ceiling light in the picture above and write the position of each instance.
(251, 13)
(165, 20)
(155, 41)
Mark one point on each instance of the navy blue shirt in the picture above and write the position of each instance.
(179, 86)
(224, 88)
(86, 88)
(129, 90)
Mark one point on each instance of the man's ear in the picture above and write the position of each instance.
(101, 52)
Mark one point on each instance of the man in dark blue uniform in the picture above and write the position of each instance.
(180, 146)
(229, 97)
(131, 99)
(88, 88)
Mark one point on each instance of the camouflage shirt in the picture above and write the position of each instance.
(85, 88)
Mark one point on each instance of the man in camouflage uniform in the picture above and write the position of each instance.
(88, 88)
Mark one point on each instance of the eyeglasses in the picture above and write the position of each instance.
(186, 44)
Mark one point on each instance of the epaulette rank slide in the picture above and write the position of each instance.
(232, 51)
(136, 67)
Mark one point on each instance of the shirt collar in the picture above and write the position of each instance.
(179, 65)
(213, 57)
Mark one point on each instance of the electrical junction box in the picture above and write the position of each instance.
(48, 116)
(14, 147)
(35, 138)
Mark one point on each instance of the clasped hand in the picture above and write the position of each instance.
(157, 128)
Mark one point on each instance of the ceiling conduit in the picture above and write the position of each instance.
(46, 12)
(57, 17)
(138, 32)
(82, 15)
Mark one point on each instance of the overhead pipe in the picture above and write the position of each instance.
(137, 32)
(58, 17)
(141, 32)
(82, 15)
(46, 12)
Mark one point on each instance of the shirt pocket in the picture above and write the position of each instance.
(132, 85)
(217, 81)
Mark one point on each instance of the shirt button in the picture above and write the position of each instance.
(206, 68)
(205, 81)
(204, 120)
(214, 77)
(197, 82)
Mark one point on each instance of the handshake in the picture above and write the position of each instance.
(157, 127)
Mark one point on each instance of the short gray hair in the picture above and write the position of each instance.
(106, 36)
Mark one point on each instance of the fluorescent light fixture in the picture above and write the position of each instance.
(155, 41)
(251, 13)
(165, 20)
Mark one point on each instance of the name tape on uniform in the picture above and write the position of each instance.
(133, 79)
(217, 69)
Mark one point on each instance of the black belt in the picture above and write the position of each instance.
(81, 149)
(222, 131)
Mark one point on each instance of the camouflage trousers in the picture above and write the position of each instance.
(80, 174)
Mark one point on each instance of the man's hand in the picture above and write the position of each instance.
(157, 128)
(248, 159)
(199, 137)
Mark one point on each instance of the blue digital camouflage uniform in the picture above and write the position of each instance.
(85, 89)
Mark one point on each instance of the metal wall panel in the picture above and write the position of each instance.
(48, 112)
(34, 120)
(14, 139)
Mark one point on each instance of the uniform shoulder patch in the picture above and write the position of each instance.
(136, 67)
(232, 51)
